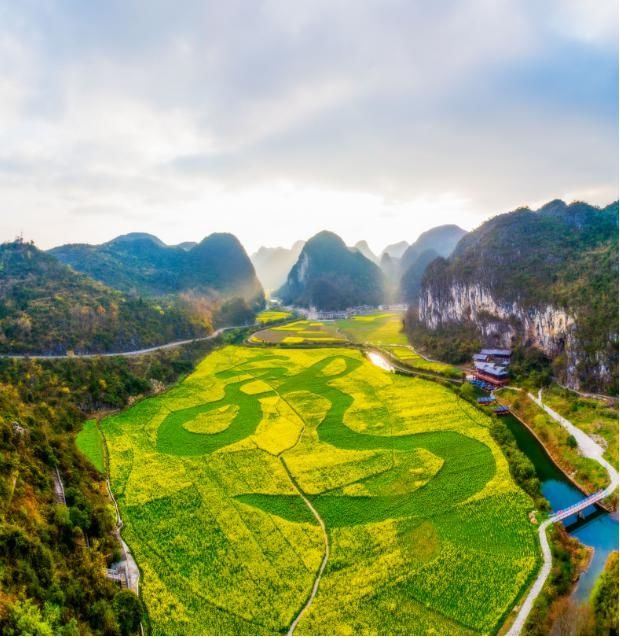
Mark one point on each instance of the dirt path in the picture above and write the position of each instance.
(319, 574)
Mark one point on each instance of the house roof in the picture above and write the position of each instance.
(496, 352)
(490, 368)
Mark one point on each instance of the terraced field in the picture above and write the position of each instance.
(427, 532)
(300, 333)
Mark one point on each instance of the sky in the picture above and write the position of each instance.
(274, 119)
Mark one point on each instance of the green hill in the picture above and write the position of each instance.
(548, 279)
(140, 263)
(47, 308)
(330, 276)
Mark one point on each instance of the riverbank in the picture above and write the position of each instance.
(558, 496)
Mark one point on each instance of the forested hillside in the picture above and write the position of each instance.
(548, 279)
(47, 308)
(53, 556)
(141, 264)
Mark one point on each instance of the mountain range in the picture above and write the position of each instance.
(141, 264)
(272, 265)
(48, 308)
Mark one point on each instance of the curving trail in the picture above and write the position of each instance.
(137, 352)
(588, 449)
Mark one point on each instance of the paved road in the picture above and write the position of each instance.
(137, 352)
(589, 449)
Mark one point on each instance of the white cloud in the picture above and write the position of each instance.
(274, 119)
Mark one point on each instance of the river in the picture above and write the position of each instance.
(599, 530)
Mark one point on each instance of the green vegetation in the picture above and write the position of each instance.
(383, 328)
(47, 308)
(557, 441)
(89, 442)
(330, 276)
(139, 263)
(53, 557)
(605, 598)
(272, 316)
(569, 557)
(598, 418)
(299, 333)
(419, 505)
(564, 256)
(452, 342)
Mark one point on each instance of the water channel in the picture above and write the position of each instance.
(598, 530)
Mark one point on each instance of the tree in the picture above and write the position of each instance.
(129, 610)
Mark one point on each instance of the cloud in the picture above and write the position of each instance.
(385, 115)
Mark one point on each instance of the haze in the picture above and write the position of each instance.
(273, 120)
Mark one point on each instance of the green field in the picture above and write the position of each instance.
(89, 442)
(300, 333)
(384, 328)
(428, 534)
(272, 316)
(409, 356)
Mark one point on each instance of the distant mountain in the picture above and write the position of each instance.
(441, 239)
(187, 245)
(48, 308)
(141, 264)
(273, 264)
(547, 279)
(330, 276)
(411, 282)
(396, 250)
(364, 248)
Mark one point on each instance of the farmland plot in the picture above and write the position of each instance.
(428, 534)
(300, 333)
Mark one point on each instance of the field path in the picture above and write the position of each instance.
(588, 449)
(319, 574)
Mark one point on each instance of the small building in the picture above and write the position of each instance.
(496, 375)
(501, 410)
(485, 400)
(480, 358)
(497, 354)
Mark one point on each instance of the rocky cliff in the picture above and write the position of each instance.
(547, 279)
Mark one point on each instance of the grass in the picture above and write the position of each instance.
(272, 316)
(428, 533)
(598, 418)
(410, 357)
(384, 328)
(89, 442)
(557, 441)
(301, 332)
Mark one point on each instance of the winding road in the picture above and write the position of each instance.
(589, 449)
(137, 352)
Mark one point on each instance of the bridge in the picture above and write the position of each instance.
(578, 507)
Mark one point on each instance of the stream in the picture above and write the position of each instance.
(598, 530)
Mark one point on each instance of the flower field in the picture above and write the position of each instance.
(384, 328)
(272, 316)
(427, 532)
(300, 333)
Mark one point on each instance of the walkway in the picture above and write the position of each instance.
(137, 352)
(589, 449)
